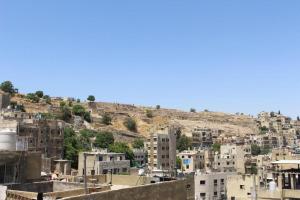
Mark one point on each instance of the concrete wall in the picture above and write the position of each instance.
(33, 187)
(174, 190)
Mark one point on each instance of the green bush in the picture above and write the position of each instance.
(78, 110)
(104, 140)
(130, 124)
(149, 113)
(106, 119)
(32, 97)
(39, 94)
(138, 144)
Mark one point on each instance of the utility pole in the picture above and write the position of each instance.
(85, 181)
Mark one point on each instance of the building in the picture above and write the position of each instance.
(62, 167)
(203, 137)
(34, 135)
(4, 100)
(191, 160)
(161, 149)
(285, 182)
(211, 186)
(232, 158)
(103, 162)
(241, 187)
(140, 156)
(19, 167)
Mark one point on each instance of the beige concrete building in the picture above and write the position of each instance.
(161, 149)
(241, 187)
(19, 167)
(232, 158)
(211, 186)
(191, 160)
(103, 162)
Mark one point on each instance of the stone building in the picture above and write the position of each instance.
(4, 100)
(33, 135)
(204, 137)
(103, 162)
(161, 148)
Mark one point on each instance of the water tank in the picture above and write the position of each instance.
(272, 186)
(8, 139)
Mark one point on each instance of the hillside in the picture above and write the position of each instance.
(229, 124)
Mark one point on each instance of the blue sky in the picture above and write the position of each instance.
(230, 56)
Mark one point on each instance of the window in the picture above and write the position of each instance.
(232, 198)
(215, 194)
(249, 193)
(202, 182)
(187, 166)
(202, 194)
(227, 163)
(222, 181)
(215, 182)
(182, 156)
(189, 156)
(100, 158)
(242, 187)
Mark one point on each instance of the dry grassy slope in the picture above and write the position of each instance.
(231, 124)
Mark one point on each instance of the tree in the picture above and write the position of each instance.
(106, 119)
(272, 114)
(255, 150)
(265, 150)
(104, 140)
(62, 104)
(66, 113)
(91, 98)
(86, 133)
(149, 113)
(78, 110)
(193, 110)
(87, 117)
(47, 98)
(39, 94)
(78, 100)
(8, 87)
(157, 107)
(183, 143)
(120, 147)
(138, 144)
(178, 163)
(298, 118)
(32, 97)
(216, 147)
(73, 144)
(130, 124)
(279, 112)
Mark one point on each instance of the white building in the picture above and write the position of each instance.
(191, 160)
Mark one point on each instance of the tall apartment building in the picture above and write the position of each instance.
(161, 147)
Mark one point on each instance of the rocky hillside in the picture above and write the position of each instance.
(229, 124)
